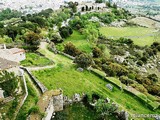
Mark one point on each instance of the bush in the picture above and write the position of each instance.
(131, 76)
(118, 69)
(153, 77)
(140, 63)
(83, 60)
(34, 109)
(70, 49)
(97, 52)
(144, 59)
(125, 80)
(65, 32)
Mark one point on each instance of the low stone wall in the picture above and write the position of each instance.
(40, 86)
(67, 55)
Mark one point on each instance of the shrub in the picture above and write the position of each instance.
(118, 69)
(125, 80)
(34, 109)
(83, 60)
(97, 52)
(65, 32)
(144, 59)
(153, 77)
(131, 76)
(139, 62)
(70, 49)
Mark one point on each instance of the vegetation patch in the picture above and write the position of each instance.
(30, 102)
(73, 81)
(34, 59)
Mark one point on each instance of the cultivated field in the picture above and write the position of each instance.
(140, 35)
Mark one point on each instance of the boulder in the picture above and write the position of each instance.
(109, 86)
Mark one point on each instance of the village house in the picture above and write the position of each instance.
(13, 54)
(10, 58)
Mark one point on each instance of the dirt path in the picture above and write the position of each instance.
(40, 68)
(58, 59)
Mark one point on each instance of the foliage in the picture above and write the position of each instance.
(153, 77)
(70, 49)
(32, 41)
(29, 103)
(65, 32)
(34, 109)
(39, 20)
(9, 82)
(118, 69)
(125, 80)
(34, 59)
(104, 109)
(83, 60)
(97, 52)
(56, 38)
(73, 6)
(8, 14)
(29, 26)
(99, 1)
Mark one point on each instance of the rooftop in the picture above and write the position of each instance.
(6, 64)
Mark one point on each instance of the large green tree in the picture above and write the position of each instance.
(32, 41)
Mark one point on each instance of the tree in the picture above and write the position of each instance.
(32, 41)
(83, 60)
(1, 25)
(9, 82)
(39, 20)
(12, 31)
(29, 26)
(115, 6)
(56, 38)
(99, 1)
(70, 49)
(65, 32)
(153, 77)
(104, 109)
(97, 52)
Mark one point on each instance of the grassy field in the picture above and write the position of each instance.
(72, 81)
(79, 41)
(33, 59)
(65, 76)
(141, 36)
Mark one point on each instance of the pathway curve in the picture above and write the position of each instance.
(40, 68)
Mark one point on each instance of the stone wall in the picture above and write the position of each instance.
(40, 86)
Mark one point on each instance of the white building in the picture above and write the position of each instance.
(13, 54)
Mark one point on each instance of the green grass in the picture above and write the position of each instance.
(65, 76)
(140, 35)
(79, 41)
(29, 103)
(33, 59)
(71, 81)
